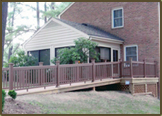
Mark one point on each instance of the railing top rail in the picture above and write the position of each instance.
(75, 65)
(4, 69)
(33, 67)
(138, 62)
(105, 63)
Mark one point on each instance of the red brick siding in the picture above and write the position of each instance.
(140, 23)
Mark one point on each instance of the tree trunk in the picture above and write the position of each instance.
(52, 5)
(45, 9)
(37, 15)
(4, 16)
(10, 53)
(12, 25)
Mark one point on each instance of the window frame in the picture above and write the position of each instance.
(120, 8)
(130, 46)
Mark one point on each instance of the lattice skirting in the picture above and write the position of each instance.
(142, 88)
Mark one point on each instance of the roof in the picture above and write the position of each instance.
(90, 30)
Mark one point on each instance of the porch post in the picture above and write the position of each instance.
(58, 73)
(131, 68)
(93, 69)
(11, 76)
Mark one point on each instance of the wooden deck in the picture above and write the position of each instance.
(68, 87)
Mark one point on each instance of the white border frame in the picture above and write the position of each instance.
(130, 46)
(112, 18)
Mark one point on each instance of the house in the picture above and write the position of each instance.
(59, 33)
(121, 29)
(137, 23)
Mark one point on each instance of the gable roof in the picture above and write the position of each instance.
(90, 30)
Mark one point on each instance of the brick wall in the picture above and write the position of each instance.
(140, 23)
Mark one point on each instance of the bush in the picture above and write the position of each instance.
(12, 94)
(3, 98)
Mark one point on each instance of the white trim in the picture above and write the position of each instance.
(118, 52)
(112, 17)
(130, 46)
(103, 39)
(59, 16)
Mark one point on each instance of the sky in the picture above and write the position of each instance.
(27, 12)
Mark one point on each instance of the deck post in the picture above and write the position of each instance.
(120, 64)
(144, 68)
(41, 64)
(76, 62)
(11, 76)
(93, 69)
(131, 68)
(58, 73)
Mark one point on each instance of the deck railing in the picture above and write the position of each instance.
(135, 69)
(19, 78)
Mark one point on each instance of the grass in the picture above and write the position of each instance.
(94, 103)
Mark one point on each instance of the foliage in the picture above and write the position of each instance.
(12, 94)
(3, 98)
(57, 9)
(84, 48)
(20, 59)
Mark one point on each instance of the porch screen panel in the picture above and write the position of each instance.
(45, 56)
(105, 53)
(35, 54)
(131, 52)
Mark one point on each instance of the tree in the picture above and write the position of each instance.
(84, 49)
(20, 59)
(38, 15)
(13, 31)
(45, 10)
(4, 16)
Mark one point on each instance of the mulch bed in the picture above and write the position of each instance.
(18, 107)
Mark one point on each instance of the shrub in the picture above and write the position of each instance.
(3, 98)
(12, 94)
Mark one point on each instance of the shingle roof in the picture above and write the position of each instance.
(90, 30)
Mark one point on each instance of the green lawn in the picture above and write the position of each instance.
(107, 102)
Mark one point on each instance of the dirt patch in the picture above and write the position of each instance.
(19, 107)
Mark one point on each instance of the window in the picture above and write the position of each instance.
(104, 54)
(117, 18)
(57, 49)
(131, 52)
(41, 56)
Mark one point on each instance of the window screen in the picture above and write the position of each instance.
(105, 53)
(35, 54)
(117, 18)
(131, 52)
(57, 49)
(115, 55)
(45, 57)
